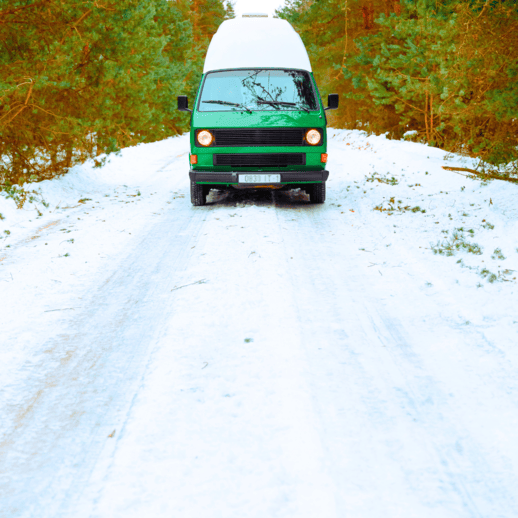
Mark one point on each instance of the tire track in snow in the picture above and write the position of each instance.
(236, 438)
(392, 387)
(67, 399)
(361, 380)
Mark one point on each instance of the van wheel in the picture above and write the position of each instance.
(317, 192)
(199, 194)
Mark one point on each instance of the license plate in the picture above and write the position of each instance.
(259, 178)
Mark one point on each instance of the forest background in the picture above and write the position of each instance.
(80, 79)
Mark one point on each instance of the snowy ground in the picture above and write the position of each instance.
(261, 356)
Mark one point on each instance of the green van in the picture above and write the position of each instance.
(257, 120)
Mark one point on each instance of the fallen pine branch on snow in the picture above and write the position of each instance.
(483, 175)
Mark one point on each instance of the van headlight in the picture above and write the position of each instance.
(205, 138)
(313, 137)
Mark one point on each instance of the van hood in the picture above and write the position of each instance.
(258, 119)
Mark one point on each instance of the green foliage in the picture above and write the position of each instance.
(377, 177)
(229, 10)
(20, 196)
(392, 208)
(497, 254)
(79, 79)
(492, 277)
(455, 244)
(446, 69)
(330, 30)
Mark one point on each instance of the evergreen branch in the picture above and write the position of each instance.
(16, 87)
(406, 75)
(411, 106)
(103, 7)
(12, 11)
(73, 25)
(132, 139)
(29, 93)
(483, 175)
(50, 113)
(14, 116)
(82, 17)
(78, 33)
(484, 8)
(26, 160)
(54, 132)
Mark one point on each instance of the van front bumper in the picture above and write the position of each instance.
(287, 177)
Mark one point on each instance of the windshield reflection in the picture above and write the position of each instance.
(258, 90)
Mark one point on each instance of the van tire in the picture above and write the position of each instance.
(317, 192)
(199, 194)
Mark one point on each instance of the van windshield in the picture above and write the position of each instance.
(258, 89)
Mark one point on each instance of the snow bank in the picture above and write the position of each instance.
(459, 229)
(132, 168)
(464, 230)
(261, 356)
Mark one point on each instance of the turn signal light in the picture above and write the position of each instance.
(194, 159)
(323, 158)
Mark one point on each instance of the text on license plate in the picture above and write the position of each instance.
(259, 178)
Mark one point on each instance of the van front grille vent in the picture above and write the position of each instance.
(258, 137)
(260, 159)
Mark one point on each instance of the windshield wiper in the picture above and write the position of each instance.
(226, 103)
(275, 103)
(281, 103)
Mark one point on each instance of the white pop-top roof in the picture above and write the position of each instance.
(256, 43)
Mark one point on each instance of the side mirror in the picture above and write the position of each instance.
(183, 103)
(332, 102)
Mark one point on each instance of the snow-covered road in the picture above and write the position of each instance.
(260, 356)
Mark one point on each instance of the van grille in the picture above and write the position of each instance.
(261, 160)
(259, 137)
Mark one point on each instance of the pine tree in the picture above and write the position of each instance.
(229, 10)
(79, 78)
(329, 29)
(448, 69)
